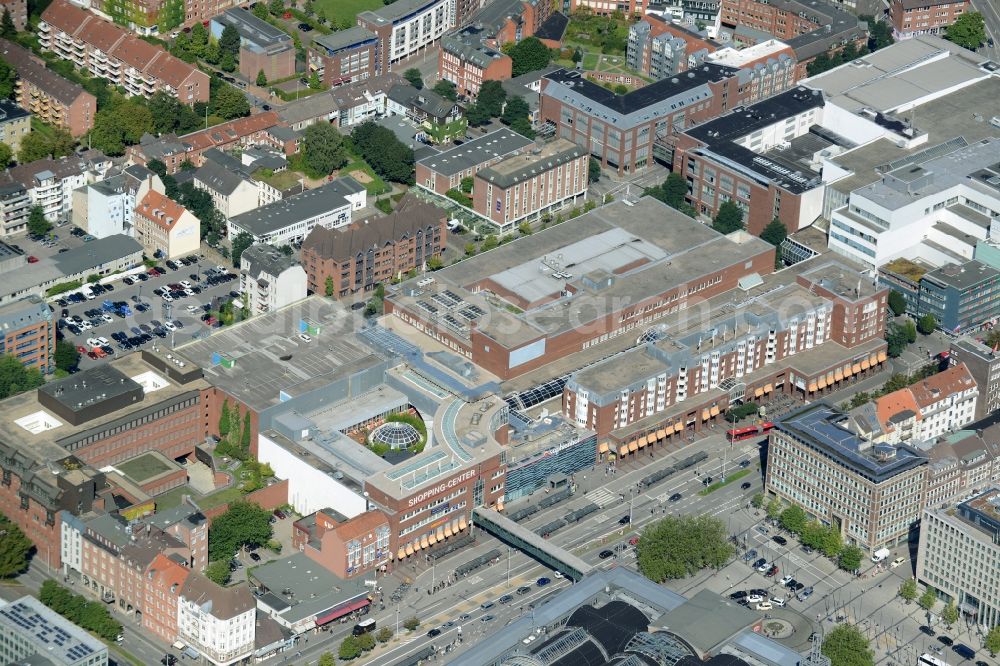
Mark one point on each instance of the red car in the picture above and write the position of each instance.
(82, 349)
(633, 541)
(773, 571)
(32, 260)
(92, 355)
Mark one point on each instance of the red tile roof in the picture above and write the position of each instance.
(101, 34)
(168, 572)
(160, 210)
(136, 53)
(938, 387)
(361, 525)
(65, 16)
(234, 130)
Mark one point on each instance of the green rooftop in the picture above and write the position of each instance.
(910, 270)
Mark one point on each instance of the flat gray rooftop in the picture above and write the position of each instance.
(268, 357)
(312, 589)
(473, 153)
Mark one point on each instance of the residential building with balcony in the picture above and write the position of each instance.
(123, 59)
(270, 280)
(50, 183)
(165, 228)
(872, 494)
(522, 188)
(406, 28)
(346, 56)
(959, 556)
(922, 17)
(659, 49)
(47, 95)
(219, 622)
(607, 7)
(15, 206)
(107, 207)
(15, 123)
(263, 47)
(440, 117)
(33, 633)
(18, 12)
(29, 334)
(356, 258)
(466, 60)
(504, 21)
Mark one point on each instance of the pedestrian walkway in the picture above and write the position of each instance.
(603, 497)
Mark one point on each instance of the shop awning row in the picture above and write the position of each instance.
(341, 612)
(444, 532)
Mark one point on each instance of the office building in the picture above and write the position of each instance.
(346, 56)
(522, 188)
(270, 280)
(917, 17)
(288, 221)
(872, 494)
(762, 158)
(50, 182)
(961, 297)
(165, 228)
(959, 556)
(445, 170)
(107, 207)
(263, 48)
(15, 123)
(627, 131)
(344, 546)
(406, 28)
(983, 363)
(123, 59)
(358, 257)
(27, 332)
(32, 633)
(466, 60)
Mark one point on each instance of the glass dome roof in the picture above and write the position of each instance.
(396, 434)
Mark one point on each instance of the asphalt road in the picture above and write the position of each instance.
(991, 16)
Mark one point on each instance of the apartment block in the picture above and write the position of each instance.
(524, 187)
(33, 633)
(660, 49)
(233, 190)
(219, 622)
(165, 577)
(406, 28)
(342, 106)
(959, 556)
(15, 123)
(873, 494)
(345, 56)
(107, 207)
(165, 228)
(18, 11)
(110, 52)
(983, 363)
(358, 257)
(924, 17)
(439, 116)
(29, 333)
(50, 183)
(263, 48)
(607, 7)
(47, 95)
(466, 60)
(505, 21)
(15, 206)
(270, 280)
(346, 547)
(445, 170)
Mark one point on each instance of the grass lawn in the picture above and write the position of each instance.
(223, 496)
(590, 61)
(345, 10)
(735, 476)
(281, 180)
(143, 468)
(171, 499)
(376, 186)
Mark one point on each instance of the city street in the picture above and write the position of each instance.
(991, 16)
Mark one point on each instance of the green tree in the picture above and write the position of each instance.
(910, 329)
(229, 42)
(896, 336)
(225, 420)
(411, 623)
(35, 145)
(470, 249)
(675, 189)
(491, 242)
(413, 76)
(66, 356)
(242, 241)
(366, 642)
(831, 543)
(15, 549)
(927, 324)
(384, 635)
(680, 546)
(245, 434)
(327, 658)
(446, 89)
(850, 558)
(993, 641)
(476, 115)
(157, 167)
(218, 572)
(773, 508)
(729, 218)
(775, 232)
(491, 98)
(243, 523)
(847, 646)
(37, 224)
(577, 55)
(593, 170)
(908, 590)
(434, 263)
(897, 303)
(516, 116)
(277, 7)
(879, 33)
(524, 228)
(261, 79)
(328, 285)
(793, 518)
(529, 55)
(7, 28)
(171, 115)
(386, 154)
(757, 501)
(229, 103)
(928, 598)
(466, 184)
(349, 648)
(260, 11)
(950, 613)
(314, 81)
(323, 149)
(8, 80)
(968, 31)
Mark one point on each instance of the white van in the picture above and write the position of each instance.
(880, 554)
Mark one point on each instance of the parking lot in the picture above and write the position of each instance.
(61, 239)
(134, 316)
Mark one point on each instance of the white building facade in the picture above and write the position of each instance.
(222, 635)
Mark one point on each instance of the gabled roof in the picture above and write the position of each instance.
(160, 210)
(937, 387)
(223, 603)
(37, 74)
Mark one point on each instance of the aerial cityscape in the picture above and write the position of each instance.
(500, 332)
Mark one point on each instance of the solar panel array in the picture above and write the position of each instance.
(45, 632)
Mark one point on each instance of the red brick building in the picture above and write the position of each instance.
(346, 547)
(345, 56)
(606, 7)
(924, 17)
(445, 170)
(367, 253)
(29, 333)
(466, 60)
(165, 580)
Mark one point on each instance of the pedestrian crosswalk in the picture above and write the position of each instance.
(602, 497)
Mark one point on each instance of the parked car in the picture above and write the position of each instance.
(945, 640)
(924, 629)
(750, 554)
(897, 562)
(773, 571)
(624, 520)
(542, 582)
(605, 554)
(762, 565)
(786, 580)
(764, 606)
(676, 497)
(806, 593)
(780, 540)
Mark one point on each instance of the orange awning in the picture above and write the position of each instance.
(633, 446)
(499, 506)
(447, 530)
(454, 526)
(705, 415)
(865, 364)
(603, 448)
(432, 539)
(821, 383)
(401, 554)
(462, 524)
(679, 426)
(715, 410)
(848, 371)
(812, 387)
(660, 434)
(768, 388)
(425, 542)
(440, 534)
(856, 368)
(874, 359)
(643, 441)
(416, 545)
(623, 451)
(829, 378)
(409, 549)
(881, 357)
(758, 392)
(838, 375)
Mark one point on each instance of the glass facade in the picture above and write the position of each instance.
(529, 474)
